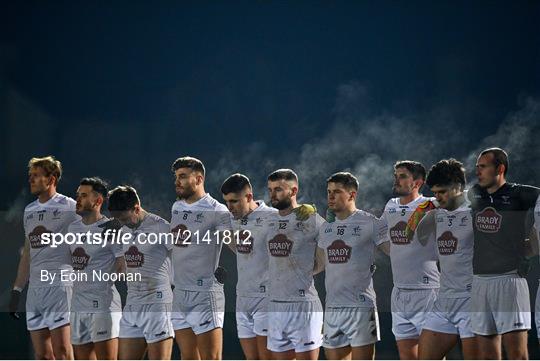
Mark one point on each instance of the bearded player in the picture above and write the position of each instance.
(48, 300)
(351, 325)
(414, 268)
(199, 301)
(450, 227)
(146, 318)
(295, 311)
(95, 307)
(249, 218)
(500, 294)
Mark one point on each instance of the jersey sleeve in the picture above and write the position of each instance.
(222, 219)
(383, 226)
(165, 235)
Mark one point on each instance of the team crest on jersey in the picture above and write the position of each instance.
(447, 243)
(35, 237)
(338, 252)
(488, 220)
(280, 246)
(505, 199)
(300, 226)
(199, 218)
(258, 221)
(464, 221)
(133, 257)
(357, 231)
(398, 234)
(79, 259)
(180, 234)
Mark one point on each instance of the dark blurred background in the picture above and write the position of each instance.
(120, 89)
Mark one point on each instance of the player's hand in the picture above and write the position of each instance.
(220, 274)
(14, 304)
(304, 211)
(330, 215)
(417, 216)
(524, 267)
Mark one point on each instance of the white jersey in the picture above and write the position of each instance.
(454, 244)
(53, 216)
(93, 260)
(196, 254)
(413, 265)
(252, 257)
(151, 261)
(292, 245)
(349, 246)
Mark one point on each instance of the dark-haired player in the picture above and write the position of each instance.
(249, 219)
(450, 226)
(351, 325)
(295, 311)
(414, 268)
(95, 307)
(146, 318)
(500, 294)
(47, 302)
(199, 300)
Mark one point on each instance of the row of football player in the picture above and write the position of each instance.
(286, 321)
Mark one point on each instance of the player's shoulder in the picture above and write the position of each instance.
(63, 201)
(75, 225)
(361, 215)
(153, 220)
(31, 206)
(210, 203)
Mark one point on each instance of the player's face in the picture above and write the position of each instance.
(446, 195)
(238, 203)
(486, 171)
(281, 193)
(39, 182)
(128, 218)
(404, 182)
(339, 197)
(87, 200)
(186, 181)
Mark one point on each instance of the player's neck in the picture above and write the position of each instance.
(288, 210)
(409, 198)
(346, 213)
(252, 206)
(198, 194)
(457, 202)
(495, 187)
(46, 195)
(91, 218)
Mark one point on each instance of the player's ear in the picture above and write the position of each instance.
(294, 190)
(249, 197)
(500, 169)
(352, 195)
(200, 179)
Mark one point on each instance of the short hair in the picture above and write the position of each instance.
(49, 164)
(446, 172)
(188, 162)
(500, 157)
(123, 198)
(346, 179)
(416, 168)
(283, 174)
(235, 183)
(98, 185)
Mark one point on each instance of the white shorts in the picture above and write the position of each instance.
(150, 321)
(350, 326)
(251, 316)
(202, 311)
(48, 307)
(94, 327)
(294, 326)
(500, 304)
(409, 310)
(451, 315)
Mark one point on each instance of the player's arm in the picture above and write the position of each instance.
(120, 265)
(426, 228)
(320, 261)
(384, 248)
(23, 273)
